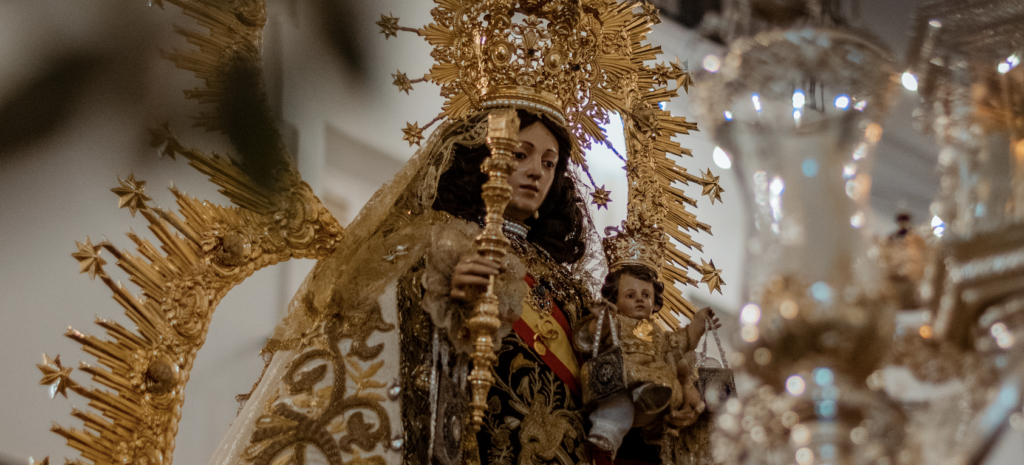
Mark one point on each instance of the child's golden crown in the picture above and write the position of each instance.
(634, 246)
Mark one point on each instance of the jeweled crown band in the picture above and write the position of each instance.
(644, 263)
(524, 98)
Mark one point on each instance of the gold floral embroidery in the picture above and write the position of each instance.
(311, 415)
(551, 426)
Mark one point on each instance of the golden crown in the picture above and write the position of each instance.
(634, 246)
(573, 60)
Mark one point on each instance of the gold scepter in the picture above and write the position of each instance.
(502, 139)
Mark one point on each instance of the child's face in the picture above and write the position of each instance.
(636, 297)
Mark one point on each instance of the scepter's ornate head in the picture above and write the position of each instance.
(634, 246)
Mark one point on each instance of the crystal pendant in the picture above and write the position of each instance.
(397, 443)
(394, 391)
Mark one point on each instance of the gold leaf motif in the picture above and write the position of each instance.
(285, 458)
(305, 401)
(274, 421)
(521, 362)
(323, 395)
(305, 380)
(336, 426)
(373, 384)
(372, 369)
(643, 330)
(363, 377)
(358, 434)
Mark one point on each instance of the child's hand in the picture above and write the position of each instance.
(610, 307)
(687, 413)
(699, 323)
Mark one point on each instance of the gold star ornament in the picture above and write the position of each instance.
(163, 137)
(711, 276)
(682, 76)
(601, 198)
(413, 133)
(89, 260)
(45, 461)
(653, 15)
(56, 375)
(402, 82)
(388, 26)
(711, 187)
(663, 74)
(131, 194)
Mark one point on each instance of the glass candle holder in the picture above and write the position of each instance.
(797, 110)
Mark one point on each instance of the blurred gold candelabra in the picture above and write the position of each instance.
(819, 331)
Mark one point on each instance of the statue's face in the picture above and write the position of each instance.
(636, 297)
(537, 156)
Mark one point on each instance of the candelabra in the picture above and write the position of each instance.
(795, 102)
(796, 107)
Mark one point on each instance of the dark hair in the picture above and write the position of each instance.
(610, 289)
(558, 228)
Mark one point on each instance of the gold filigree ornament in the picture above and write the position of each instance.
(577, 62)
(204, 250)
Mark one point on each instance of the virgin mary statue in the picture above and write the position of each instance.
(372, 363)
